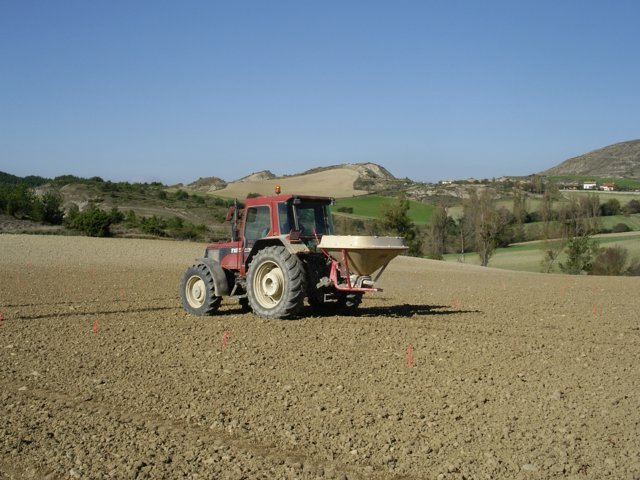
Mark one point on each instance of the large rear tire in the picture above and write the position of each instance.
(276, 283)
(197, 291)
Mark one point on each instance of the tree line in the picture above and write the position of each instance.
(20, 201)
(566, 228)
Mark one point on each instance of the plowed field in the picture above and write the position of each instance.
(511, 375)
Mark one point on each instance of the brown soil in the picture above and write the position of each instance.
(513, 375)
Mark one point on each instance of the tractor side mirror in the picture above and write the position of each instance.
(232, 210)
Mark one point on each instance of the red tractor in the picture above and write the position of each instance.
(283, 250)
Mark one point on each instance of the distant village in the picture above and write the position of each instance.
(573, 185)
(588, 185)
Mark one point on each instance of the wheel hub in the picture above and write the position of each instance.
(196, 292)
(271, 284)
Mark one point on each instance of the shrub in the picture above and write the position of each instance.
(610, 261)
(130, 219)
(20, 202)
(70, 215)
(116, 215)
(611, 207)
(634, 268)
(48, 208)
(153, 226)
(633, 206)
(92, 222)
(345, 209)
(620, 227)
(175, 223)
(253, 195)
(181, 195)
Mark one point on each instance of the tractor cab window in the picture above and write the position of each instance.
(285, 220)
(314, 218)
(257, 224)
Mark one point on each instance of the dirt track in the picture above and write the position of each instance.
(514, 375)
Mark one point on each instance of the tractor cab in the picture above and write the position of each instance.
(302, 219)
(286, 219)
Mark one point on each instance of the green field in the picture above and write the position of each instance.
(622, 197)
(632, 221)
(371, 206)
(527, 257)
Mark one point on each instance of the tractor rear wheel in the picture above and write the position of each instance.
(276, 283)
(197, 291)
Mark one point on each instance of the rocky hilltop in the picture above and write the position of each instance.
(207, 184)
(621, 160)
(257, 176)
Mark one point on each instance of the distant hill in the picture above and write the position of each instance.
(346, 180)
(207, 184)
(621, 160)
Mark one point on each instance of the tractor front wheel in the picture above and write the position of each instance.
(197, 291)
(276, 283)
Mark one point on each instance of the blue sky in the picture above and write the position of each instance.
(172, 91)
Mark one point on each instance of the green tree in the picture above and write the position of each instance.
(610, 207)
(48, 208)
(116, 215)
(519, 214)
(486, 222)
(579, 222)
(396, 219)
(92, 222)
(20, 201)
(570, 230)
(580, 251)
(438, 233)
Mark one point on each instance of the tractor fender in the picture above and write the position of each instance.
(293, 248)
(219, 277)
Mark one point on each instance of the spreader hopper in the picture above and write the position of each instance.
(364, 254)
